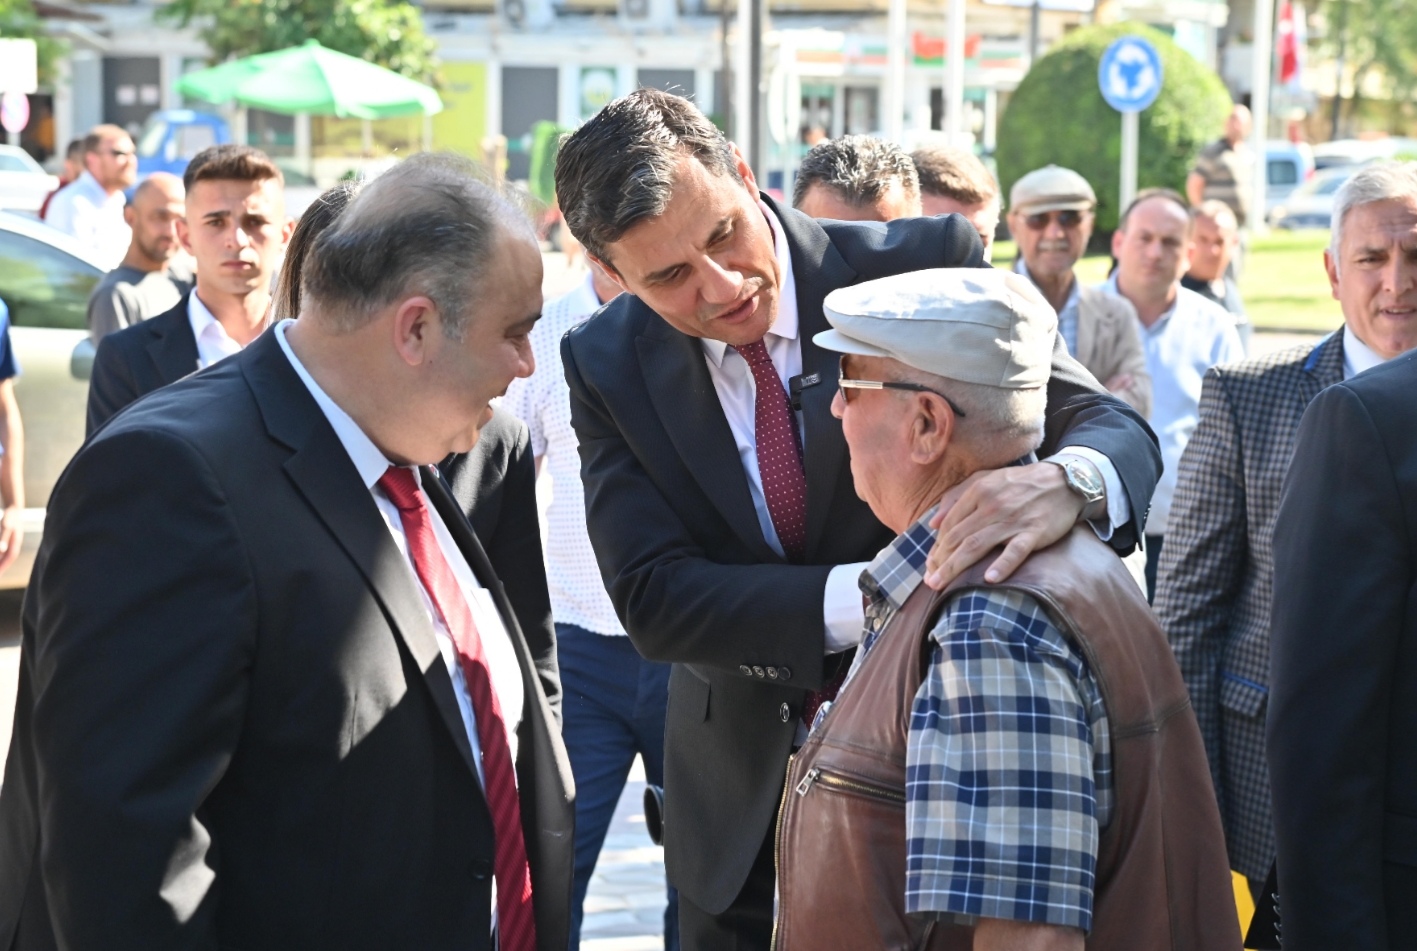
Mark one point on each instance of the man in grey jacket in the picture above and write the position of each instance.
(1050, 217)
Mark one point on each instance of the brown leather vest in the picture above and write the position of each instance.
(1162, 876)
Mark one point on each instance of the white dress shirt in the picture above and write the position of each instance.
(93, 217)
(733, 382)
(1357, 355)
(496, 642)
(543, 402)
(214, 344)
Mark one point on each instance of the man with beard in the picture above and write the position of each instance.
(145, 283)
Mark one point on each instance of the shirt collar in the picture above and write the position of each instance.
(785, 326)
(900, 567)
(1357, 355)
(367, 457)
(1166, 315)
(202, 319)
(1020, 267)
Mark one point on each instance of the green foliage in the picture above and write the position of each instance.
(387, 32)
(545, 143)
(19, 21)
(1058, 116)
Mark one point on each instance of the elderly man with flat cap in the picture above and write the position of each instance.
(1010, 765)
(1051, 218)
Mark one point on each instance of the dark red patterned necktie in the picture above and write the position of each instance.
(784, 477)
(779, 453)
(516, 923)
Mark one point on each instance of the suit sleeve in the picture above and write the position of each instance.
(1203, 561)
(1082, 413)
(1343, 572)
(145, 633)
(111, 387)
(676, 603)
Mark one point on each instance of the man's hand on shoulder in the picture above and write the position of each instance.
(1023, 508)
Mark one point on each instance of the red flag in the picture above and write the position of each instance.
(1287, 47)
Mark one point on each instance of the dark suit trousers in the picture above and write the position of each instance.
(746, 925)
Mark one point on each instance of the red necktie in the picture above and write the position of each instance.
(779, 453)
(516, 924)
(784, 477)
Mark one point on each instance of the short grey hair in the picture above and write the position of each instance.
(430, 225)
(858, 168)
(619, 168)
(999, 425)
(1385, 181)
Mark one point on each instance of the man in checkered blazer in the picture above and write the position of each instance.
(1217, 567)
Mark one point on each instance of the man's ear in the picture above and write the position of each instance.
(932, 430)
(610, 272)
(184, 236)
(415, 323)
(749, 180)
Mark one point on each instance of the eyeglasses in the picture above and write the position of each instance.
(1068, 218)
(846, 385)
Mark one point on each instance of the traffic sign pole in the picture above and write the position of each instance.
(1129, 159)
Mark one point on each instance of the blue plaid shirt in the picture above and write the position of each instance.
(1009, 758)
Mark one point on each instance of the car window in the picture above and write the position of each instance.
(9, 163)
(42, 285)
(1330, 186)
(1282, 172)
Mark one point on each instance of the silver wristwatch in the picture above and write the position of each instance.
(1084, 479)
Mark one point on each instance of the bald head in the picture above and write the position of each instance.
(153, 212)
(1237, 124)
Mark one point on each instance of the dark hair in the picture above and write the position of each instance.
(75, 151)
(1166, 194)
(323, 211)
(618, 169)
(231, 163)
(858, 168)
(954, 173)
(429, 225)
(94, 140)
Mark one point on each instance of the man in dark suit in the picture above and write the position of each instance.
(272, 695)
(1343, 635)
(1217, 568)
(235, 227)
(725, 538)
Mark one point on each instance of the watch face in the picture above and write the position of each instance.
(1084, 481)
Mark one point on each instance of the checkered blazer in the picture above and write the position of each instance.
(1217, 570)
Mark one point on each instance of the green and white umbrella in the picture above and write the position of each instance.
(313, 79)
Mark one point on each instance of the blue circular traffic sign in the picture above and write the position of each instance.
(1130, 74)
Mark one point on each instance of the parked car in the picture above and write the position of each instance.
(1287, 166)
(1341, 152)
(23, 183)
(1311, 204)
(45, 280)
(171, 137)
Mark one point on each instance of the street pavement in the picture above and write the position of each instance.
(625, 905)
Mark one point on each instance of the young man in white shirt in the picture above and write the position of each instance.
(90, 208)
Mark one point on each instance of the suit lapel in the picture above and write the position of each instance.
(323, 473)
(173, 348)
(1324, 366)
(817, 269)
(681, 392)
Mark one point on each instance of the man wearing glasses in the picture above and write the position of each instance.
(91, 207)
(1050, 217)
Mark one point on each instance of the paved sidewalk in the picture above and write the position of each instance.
(624, 909)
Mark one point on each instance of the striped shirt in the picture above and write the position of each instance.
(1228, 171)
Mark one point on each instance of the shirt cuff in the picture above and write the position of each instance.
(843, 608)
(1119, 508)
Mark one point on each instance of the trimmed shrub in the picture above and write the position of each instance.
(1058, 116)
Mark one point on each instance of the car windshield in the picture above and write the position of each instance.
(10, 162)
(151, 138)
(42, 285)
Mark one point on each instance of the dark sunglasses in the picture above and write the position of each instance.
(847, 385)
(1069, 218)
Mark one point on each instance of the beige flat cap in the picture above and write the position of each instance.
(975, 325)
(1051, 188)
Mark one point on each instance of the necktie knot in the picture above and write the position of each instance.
(755, 353)
(400, 486)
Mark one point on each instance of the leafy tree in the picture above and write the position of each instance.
(387, 32)
(1058, 116)
(1371, 37)
(19, 21)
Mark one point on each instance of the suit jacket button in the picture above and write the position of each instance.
(786, 712)
(772, 672)
(745, 670)
(784, 673)
(758, 672)
(480, 869)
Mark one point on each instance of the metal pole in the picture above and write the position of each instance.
(1034, 25)
(742, 98)
(895, 71)
(757, 156)
(1130, 125)
(954, 88)
(1259, 107)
